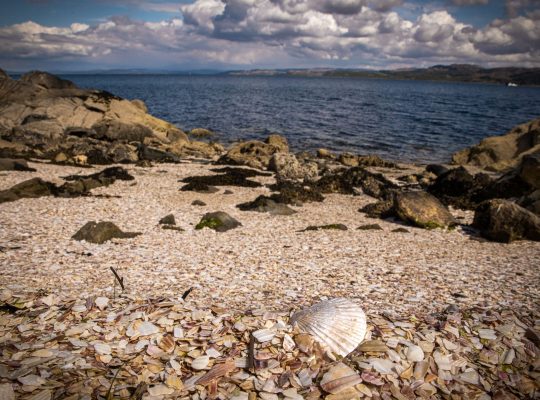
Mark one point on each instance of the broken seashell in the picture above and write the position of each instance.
(200, 362)
(167, 344)
(217, 371)
(101, 302)
(263, 335)
(339, 324)
(339, 378)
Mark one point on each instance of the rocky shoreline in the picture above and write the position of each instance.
(211, 244)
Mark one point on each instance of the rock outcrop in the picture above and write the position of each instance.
(44, 116)
(254, 153)
(499, 153)
(505, 221)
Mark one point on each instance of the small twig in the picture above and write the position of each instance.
(187, 292)
(110, 394)
(251, 353)
(120, 280)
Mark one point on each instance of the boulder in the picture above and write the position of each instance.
(437, 169)
(381, 209)
(219, 221)
(112, 130)
(8, 164)
(325, 153)
(266, 204)
(254, 153)
(505, 221)
(32, 188)
(119, 153)
(422, 209)
(295, 193)
(168, 220)
(287, 167)
(499, 153)
(459, 188)
(101, 232)
(531, 202)
(529, 170)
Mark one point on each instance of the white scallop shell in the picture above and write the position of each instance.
(337, 324)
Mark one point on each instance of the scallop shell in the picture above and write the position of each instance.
(337, 324)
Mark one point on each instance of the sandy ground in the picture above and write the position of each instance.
(264, 263)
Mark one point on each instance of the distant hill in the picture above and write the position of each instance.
(454, 72)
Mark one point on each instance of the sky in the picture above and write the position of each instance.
(78, 35)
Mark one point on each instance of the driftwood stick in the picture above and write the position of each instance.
(186, 293)
(120, 280)
(251, 353)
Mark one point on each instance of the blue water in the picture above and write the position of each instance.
(400, 120)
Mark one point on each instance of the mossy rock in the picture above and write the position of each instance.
(100, 232)
(368, 227)
(167, 220)
(422, 210)
(337, 227)
(218, 221)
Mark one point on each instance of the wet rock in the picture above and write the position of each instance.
(152, 153)
(32, 188)
(505, 221)
(8, 164)
(423, 210)
(168, 220)
(119, 153)
(266, 204)
(105, 176)
(337, 227)
(219, 221)
(369, 227)
(198, 203)
(101, 232)
(288, 167)
(254, 153)
(499, 153)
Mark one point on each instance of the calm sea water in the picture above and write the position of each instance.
(399, 120)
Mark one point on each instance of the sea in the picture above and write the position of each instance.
(408, 121)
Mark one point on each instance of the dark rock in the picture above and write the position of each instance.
(167, 220)
(228, 177)
(505, 221)
(143, 164)
(101, 232)
(106, 175)
(375, 161)
(338, 227)
(375, 227)
(400, 230)
(8, 164)
(218, 221)
(198, 203)
(529, 170)
(531, 202)
(437, 169)
(228, 192)
(32, 188)
(199, 187)
(381, 209)
(295, 193)
(459, 188)
(352, 179)
(266, 204)
(254, 153)
(172, 227)
(422, 209)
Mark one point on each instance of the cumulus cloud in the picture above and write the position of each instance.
(469, 2)
(283, 33)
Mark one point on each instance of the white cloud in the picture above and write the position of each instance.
(281, 33)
